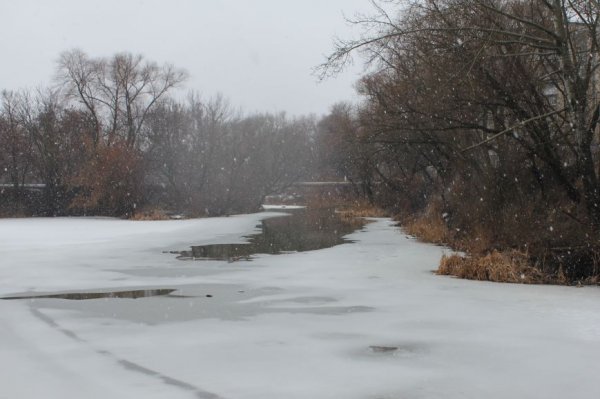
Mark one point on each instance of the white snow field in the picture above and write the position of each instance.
(360, 320)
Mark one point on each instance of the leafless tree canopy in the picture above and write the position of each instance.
(118, 93)
(110, 139)
(484, 111)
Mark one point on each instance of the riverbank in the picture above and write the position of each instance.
(478, 257)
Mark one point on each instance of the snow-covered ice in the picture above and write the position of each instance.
(361, 320)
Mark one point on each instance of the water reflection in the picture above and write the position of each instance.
(302, 230)
(79, 296)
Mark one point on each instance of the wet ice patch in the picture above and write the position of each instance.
(299, 230)
(406, 349)
(82, 296)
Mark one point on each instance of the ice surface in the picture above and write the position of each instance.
(362, 320)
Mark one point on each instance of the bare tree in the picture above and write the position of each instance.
(513, 56)
(495, 104)
(118, 92)
(15, 156)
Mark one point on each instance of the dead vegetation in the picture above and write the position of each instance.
(429, 227)
(13, 215)
(361, 209)
(346, 203)
(150, 214)
(487, 260)
(505, 267)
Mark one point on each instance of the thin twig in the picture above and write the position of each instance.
(510, 129)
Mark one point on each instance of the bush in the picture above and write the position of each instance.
(110, 182)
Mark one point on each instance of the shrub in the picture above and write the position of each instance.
(110, 182)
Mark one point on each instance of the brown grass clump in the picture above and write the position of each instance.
(506, 267)
(427, 228)
(478, 241)
(361, 209)
(13, 215)
(327, 199)
(150, 214)
(346, 205)
(594, 280)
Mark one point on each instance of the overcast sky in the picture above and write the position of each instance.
(258, 53)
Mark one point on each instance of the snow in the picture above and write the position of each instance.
(302, 325)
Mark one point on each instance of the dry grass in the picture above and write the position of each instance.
(485, 262)
(427, 228)
(328, 199)
(150, 214)
(595, 280)
(506, 267)
(347, 206)
(361, 209)
(13, 214)
(478, 241)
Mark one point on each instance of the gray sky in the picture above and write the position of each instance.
(258, 53)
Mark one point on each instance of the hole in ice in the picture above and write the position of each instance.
(383, 349)
(78, 296)
(301, 230)
(407, 349)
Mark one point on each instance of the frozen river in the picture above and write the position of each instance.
(117, 314)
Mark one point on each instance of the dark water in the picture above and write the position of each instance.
(301, 230)
(78, 296)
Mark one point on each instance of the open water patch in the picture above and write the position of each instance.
(299, 230)
(81, 296)
(407, 349)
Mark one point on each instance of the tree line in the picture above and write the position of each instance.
(480, 116)
(109, 138)
(479, 119)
